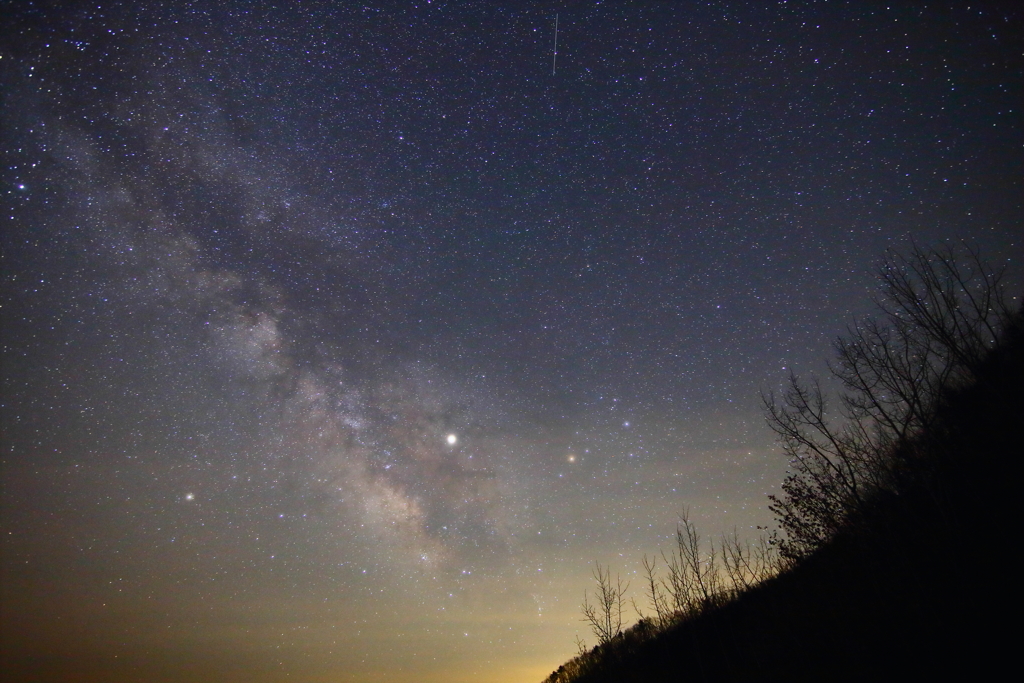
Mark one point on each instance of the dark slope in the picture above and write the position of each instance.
(920, 588)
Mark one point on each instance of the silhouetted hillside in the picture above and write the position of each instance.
(916, 582)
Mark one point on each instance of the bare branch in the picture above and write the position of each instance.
(605, 614)
(942, 311)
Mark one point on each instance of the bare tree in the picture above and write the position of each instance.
(605, 614)
(746, 564)
(695, 583)
(655, 592)
(740, 562)
(941, 311)
(694, 580)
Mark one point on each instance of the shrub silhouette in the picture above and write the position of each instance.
(697, 582)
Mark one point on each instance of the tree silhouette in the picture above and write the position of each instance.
(605, 616)
(910, 463)
(941, 311)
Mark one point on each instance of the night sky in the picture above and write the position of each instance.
(341, 339)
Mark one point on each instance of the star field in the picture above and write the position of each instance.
(339, 341)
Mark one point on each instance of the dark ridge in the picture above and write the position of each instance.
(917, 588)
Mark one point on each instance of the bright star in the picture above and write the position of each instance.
(452, 439)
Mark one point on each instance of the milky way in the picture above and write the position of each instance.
(339, 342)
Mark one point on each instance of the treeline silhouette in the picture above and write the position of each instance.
(895, 552)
